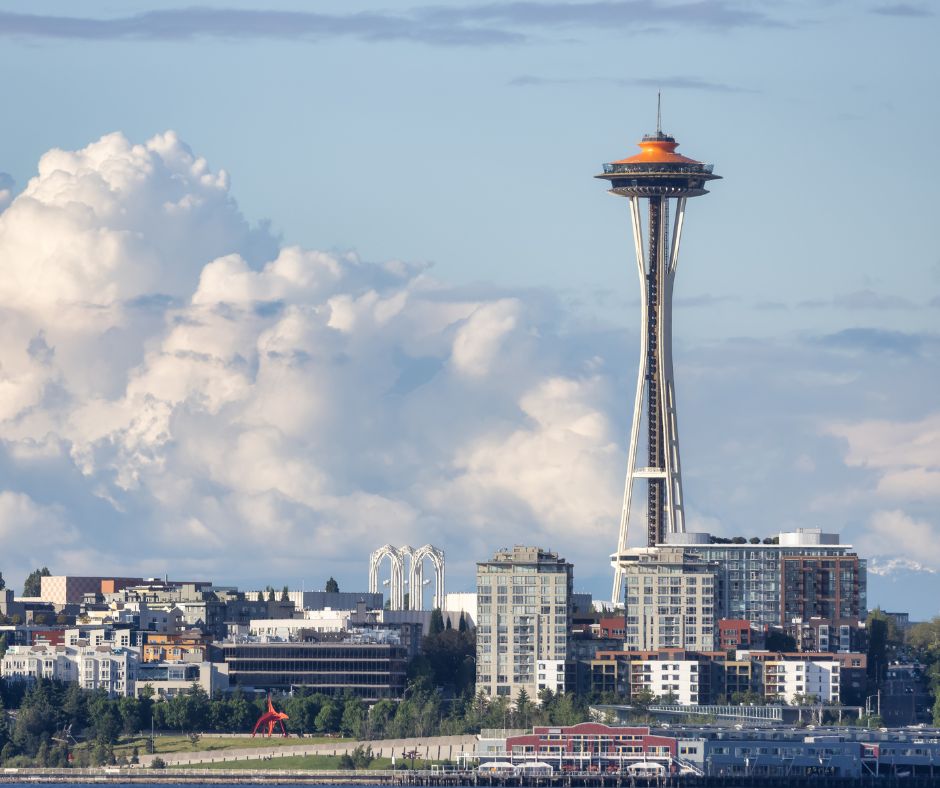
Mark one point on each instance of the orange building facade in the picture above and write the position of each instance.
(161, 647)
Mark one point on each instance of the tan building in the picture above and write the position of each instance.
(523, 618)
(68, 589)
(160, 647)
(671, 598)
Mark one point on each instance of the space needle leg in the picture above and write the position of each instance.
(617, 591)
(675, 504)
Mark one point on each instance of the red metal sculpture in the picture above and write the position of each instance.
(269, 719)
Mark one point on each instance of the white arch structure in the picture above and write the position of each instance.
(397, 557)
(416, 577)
(396, 592)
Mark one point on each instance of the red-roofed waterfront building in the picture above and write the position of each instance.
(591, 746)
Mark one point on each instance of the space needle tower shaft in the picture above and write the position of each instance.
(658, 175)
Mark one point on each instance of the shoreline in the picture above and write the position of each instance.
(144, 776)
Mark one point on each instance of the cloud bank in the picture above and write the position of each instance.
(214, 401)
(482, 24)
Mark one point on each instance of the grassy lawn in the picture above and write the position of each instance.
(170, 744)
(322, 762)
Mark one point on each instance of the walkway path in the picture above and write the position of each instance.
(435, 748)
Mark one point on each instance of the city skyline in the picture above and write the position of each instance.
(167, 406)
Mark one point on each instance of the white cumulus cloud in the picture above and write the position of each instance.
(898, 540)
(188, 397)
(904, 454)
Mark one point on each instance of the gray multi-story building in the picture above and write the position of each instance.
(671, 598)
(371, 665)
(523, 618)
(753, 584)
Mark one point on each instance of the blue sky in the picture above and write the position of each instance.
(463, 136)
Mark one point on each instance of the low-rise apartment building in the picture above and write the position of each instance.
(105, 668)
(809, 680)
(717, 677)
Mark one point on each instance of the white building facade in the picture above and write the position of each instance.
(110, 669)
(808, 680)
(672, 681)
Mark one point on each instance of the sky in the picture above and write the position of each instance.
(285, 282)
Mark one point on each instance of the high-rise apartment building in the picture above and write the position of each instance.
(523, 617)
(671, 600)
(753, 584)
(824, 587)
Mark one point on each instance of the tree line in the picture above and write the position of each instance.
(55, 719)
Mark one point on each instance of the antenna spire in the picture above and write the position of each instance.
(659, 116)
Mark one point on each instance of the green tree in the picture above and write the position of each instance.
(130, 711)
(379, 717)
(3, 645)
(272, 597)
(748, 698)
(436, 626)
(284, 596)
(877, 626)
(354, 714)
(2, 582)
(240, 713)
(261, 596)
(362, 757)
(779, 641)
(303, 710)
(4, 730)
(178, 712)
(523, 708)
(107, 724)
(641, 701)
(924, 640)
(75, 706)
(332, 587)
(448, 659)
(32, 586)
(329, 717)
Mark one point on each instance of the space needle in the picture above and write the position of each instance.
(656, 174)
